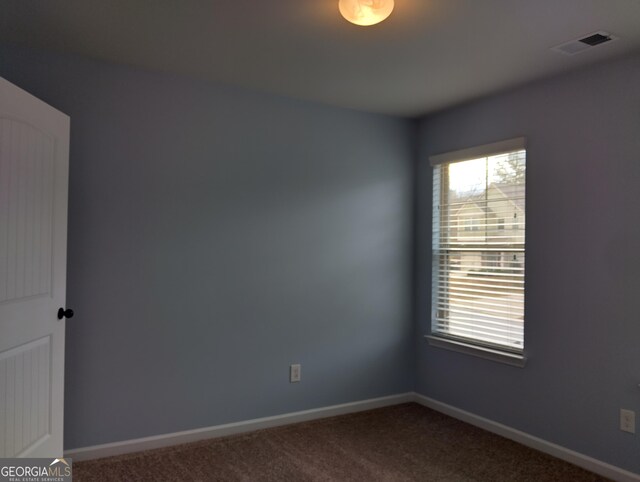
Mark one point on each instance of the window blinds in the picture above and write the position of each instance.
(479, 246)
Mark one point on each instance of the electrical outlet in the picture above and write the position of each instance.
(295, 373)
(627, 420)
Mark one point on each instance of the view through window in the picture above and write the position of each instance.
(479, 250)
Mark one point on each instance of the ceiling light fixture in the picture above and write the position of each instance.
(365, 12)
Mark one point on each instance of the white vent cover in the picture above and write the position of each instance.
(586, 42)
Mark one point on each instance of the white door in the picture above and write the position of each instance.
(34, 164)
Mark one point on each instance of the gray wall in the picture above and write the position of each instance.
(582, 329)
(217, 235)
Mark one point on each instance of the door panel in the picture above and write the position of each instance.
(34, 150)
(26, 156)
(25, 376)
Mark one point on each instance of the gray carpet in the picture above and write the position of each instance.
(401, 443)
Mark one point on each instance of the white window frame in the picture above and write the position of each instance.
(470, 346)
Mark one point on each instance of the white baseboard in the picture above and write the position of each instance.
(165, 440)
(576, 458)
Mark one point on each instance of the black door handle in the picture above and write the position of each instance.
(62, 313)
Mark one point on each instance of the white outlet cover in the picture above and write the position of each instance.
(295, 373)
(627, 420)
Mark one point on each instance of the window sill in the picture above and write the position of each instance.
(495, 355)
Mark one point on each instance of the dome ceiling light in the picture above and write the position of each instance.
(365, 12)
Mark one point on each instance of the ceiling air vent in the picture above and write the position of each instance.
(584, 43)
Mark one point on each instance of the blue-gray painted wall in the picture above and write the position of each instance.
(217, 235)
(582, 328)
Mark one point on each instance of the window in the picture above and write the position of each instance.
(478, 273)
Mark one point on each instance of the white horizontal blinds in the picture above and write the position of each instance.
(479, 248)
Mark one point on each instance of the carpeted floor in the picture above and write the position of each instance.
(401, 443)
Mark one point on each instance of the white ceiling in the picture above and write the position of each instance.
(428, 55)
